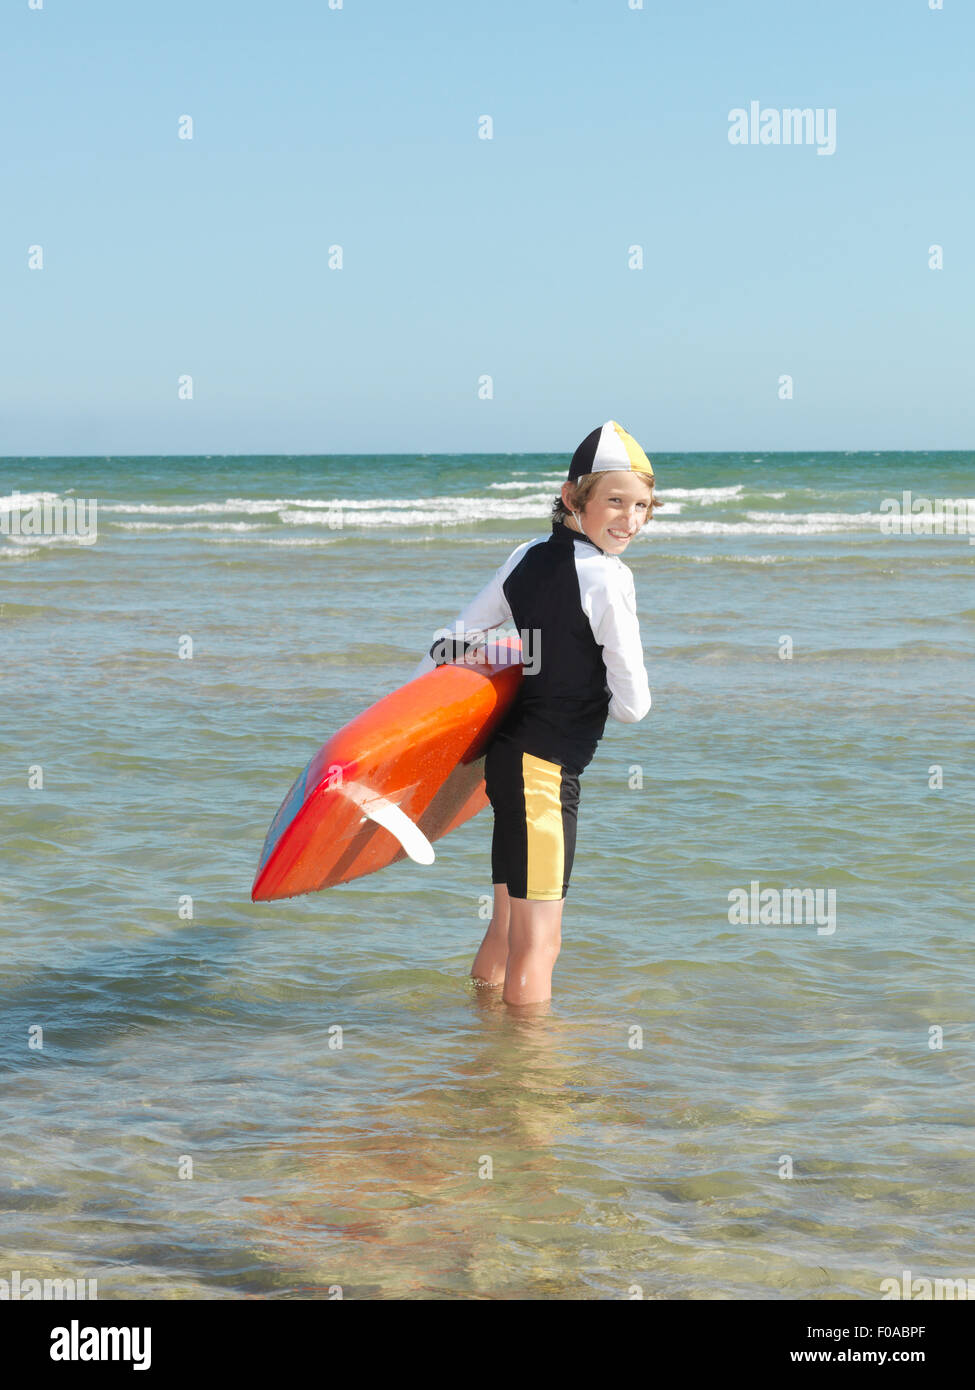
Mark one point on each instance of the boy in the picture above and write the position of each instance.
(574, 593)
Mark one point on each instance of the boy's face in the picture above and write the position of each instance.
(616, 510)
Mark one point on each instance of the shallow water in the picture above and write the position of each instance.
(636, 1129)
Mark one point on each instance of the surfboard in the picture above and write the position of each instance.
(401, 775)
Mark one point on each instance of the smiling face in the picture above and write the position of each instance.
(617, 508)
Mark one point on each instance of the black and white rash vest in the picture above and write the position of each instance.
(575, 607)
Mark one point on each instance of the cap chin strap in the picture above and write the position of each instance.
(581, 527)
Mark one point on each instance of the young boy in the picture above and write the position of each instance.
(574, 593)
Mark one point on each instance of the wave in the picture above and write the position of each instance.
(18, 552)
(738, 559)
(811, 527)
(705, 494)
(457, 511)
(25, 499)
(919, 649)
(509, 501)
(882, 563)
(179, 527)
(271, 540)
(853, 519)
(33, 541)
(553, 480)
(261, 505)
(255, 506)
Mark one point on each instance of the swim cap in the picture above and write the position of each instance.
(606, 449)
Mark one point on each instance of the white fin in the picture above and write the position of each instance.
(392, 818)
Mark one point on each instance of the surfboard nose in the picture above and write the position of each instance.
(406, 771)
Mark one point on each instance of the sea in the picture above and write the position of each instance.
(756, 1076)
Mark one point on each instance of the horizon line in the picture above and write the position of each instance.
(467, 453)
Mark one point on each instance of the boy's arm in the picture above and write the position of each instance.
(616, 627)
(489, 609)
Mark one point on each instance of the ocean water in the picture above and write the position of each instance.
(191, 1127)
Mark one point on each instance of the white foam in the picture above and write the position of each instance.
(838, 520)
(506, 501)
(461, 511)
(386, 505)
(233, 504)
(739, 528)
(188, 526)
(703, 495)
(737, 559)
(270, 540)
(442, 505)
(41, 539)
(510, 487)
(23, 500)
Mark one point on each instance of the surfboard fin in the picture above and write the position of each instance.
(392, 818)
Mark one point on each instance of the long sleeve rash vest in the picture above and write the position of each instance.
(579, 605)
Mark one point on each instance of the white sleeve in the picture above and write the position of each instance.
(488, 609)
(616, 627)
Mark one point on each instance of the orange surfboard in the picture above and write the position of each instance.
(405, 772)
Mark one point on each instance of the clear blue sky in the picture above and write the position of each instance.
(463, 257)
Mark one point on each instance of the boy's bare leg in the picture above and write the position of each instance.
(534, 941)
(489, 963)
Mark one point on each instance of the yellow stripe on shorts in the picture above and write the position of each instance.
(543, 817)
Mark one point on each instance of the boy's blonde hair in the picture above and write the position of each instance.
(584, 487)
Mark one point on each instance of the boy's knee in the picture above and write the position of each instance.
(541, 951)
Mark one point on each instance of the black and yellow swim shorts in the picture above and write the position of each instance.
(536, 807)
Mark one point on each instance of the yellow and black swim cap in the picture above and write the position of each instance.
(606, 449)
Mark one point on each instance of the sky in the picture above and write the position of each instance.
(485, 300)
